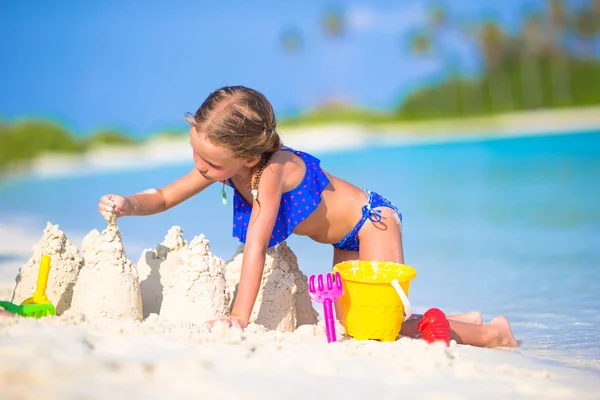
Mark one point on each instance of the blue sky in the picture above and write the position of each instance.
(138, 66)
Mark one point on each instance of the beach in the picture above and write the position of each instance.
(170, 150)
(75, 358)
(79, 355)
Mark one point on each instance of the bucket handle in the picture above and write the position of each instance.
(403, 298)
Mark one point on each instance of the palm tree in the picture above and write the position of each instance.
(291, 45)
(333, 27)
(333, 23)
(475, 94)
(585, 27)
(533, 46)
(493, 41)
(558, 19)
(420, 44)
(291, 40)
(438, 18)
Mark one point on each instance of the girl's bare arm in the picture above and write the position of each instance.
(262, 221)
(153, 201)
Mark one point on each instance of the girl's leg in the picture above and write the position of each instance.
(338, 257)
(472, 317)
(495, 334)
(383, 241)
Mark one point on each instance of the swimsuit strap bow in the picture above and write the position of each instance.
(373, 214)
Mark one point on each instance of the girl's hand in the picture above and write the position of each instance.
(112, 206)
(231, 322)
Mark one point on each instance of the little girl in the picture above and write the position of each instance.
(279, 191)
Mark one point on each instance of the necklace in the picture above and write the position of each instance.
(257, 174)
(259, 171)
(223, 195)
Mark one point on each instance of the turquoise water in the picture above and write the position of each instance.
(506, 227)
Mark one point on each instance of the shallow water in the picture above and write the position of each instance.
(506, 227)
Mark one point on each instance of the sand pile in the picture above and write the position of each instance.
(108, 284)
(196, 291)
(233, 269)
(65, 264)
(89, 242)
(305, 312)
(275, 306)
(155, 267)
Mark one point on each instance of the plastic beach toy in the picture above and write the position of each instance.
(375, 300)
(326, 293)
(434, 326)
(38, 305)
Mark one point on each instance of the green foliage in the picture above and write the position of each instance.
(511, 88)
(533, 69)
(22, 141)
(108, 137)
(25, 140)
(336, 114)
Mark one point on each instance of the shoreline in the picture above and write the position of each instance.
(169, 151)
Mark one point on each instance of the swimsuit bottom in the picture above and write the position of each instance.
(350, 241)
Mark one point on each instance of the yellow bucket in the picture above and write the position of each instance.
(375, 298)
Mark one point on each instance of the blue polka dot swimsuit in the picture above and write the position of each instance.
(296, 205)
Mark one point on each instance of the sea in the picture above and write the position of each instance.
(505, 226)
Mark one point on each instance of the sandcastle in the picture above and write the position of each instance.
(305, 312)
(155, 267)
(65, 263)
(197, 290)
(108, 283)
(89, 241)
(279, 301)
(182, 283)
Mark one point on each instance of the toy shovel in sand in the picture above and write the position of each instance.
(326, 294)
(37, 305)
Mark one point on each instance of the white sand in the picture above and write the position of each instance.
(108, 284)
(89, 242)
(71, 358)
(155, 267)
(65, 263)
(196, 291)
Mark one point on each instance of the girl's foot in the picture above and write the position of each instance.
(500, 333)
(472, 317)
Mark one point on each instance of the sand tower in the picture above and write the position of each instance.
(305, 312)
(155, 267)
(108, 284)
(275, 306)
(196, 291)
(65, 263)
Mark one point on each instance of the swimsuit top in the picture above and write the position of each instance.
(295, 206)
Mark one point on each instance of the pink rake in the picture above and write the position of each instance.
(326, 295)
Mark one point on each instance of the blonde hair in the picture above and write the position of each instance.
(240, 119)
